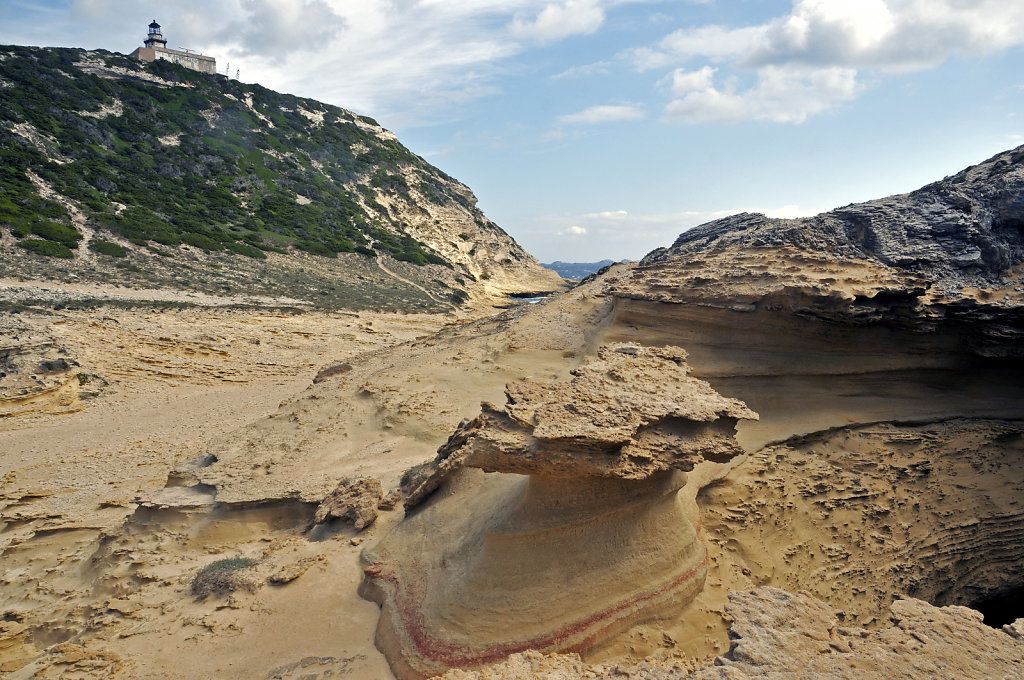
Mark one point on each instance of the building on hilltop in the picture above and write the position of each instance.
(156, 48)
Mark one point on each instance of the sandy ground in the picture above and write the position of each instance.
(110, 465)
(75, 452)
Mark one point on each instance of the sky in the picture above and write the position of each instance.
(594, 129)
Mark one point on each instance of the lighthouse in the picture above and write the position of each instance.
(156, 48)
(155, 37)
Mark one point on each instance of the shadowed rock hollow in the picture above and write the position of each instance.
(591, 541)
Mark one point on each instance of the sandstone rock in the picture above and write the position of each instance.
(15, 650)
(956, 230)
(390, 501)
(581, 535)
(776, 631)
(289, 572)
(945, 255)
(354, 501)
(628, 413)
(930, 511)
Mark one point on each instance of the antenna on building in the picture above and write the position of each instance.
(227, 70)
(237, 77)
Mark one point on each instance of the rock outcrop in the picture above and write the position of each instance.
(945, 258)
(964, 230)
(592, 540)
(355, 501)
(860, 516)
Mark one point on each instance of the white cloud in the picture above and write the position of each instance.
(681, 82)
(813, 58)
(781, 95)
(576, 230)
(279, 28)
(712, 42)
(606, 113)
(560, 20)
(585, 70)
(895, 35)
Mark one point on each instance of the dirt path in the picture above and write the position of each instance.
(414, 285)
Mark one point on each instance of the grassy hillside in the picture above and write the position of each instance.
(104, 158)
(216, 164)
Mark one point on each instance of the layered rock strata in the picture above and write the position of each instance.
(859, 516)
(580, 536)
(944, 258)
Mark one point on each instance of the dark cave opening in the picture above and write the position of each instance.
(1002, 608)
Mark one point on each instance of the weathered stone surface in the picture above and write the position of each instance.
(777, 631)
(355, 500)
(390, 501)
(293, 570)
(778, 634)
(964, 229)
(946, 257)
(627, 413)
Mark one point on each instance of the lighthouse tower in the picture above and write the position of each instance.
(155, 38)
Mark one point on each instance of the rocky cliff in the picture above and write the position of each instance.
(964, 230)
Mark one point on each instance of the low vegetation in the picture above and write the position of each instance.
(107, 248)
(223, 576)
(212, 163)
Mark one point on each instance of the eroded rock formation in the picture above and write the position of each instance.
(590, 541)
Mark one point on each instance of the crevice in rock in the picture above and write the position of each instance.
(1003, 607)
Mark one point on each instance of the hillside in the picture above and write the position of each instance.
(156, 176)
(576, 270)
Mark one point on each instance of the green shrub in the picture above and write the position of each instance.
(107, 248)
(47, 248)
(60, 233)
(247, 250)
(201, 241)
(223, 576)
